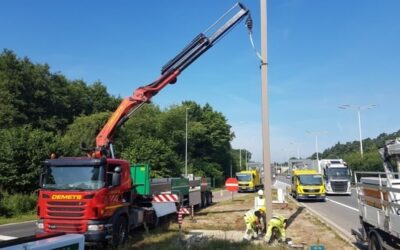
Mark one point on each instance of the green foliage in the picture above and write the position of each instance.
(371, 161)
(350, 152)
(43, 112)
(163, 160)
(84, 129)
(22, 151)
(31, 94)
(16, 204)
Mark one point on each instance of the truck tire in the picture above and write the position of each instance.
(374, 242)
(120, 231)
(155, 223)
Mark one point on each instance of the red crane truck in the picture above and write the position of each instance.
(97, 196)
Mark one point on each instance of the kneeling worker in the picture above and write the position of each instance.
(253, 225)
(276, 229)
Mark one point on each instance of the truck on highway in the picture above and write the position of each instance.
(249, 180)
(337, 175)
(307, 184)
(378, 196)
(103, 197)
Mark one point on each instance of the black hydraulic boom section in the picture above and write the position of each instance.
(201, 43)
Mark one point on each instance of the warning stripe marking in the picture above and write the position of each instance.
(183, 210)
(165, 198)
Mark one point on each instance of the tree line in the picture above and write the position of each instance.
(42, 112)
(350, 152)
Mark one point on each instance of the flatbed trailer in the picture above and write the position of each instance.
(378, 196)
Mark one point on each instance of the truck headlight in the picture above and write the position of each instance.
(40, 225)
(328, 187)
(99, 227)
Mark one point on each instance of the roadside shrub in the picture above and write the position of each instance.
(16, 204)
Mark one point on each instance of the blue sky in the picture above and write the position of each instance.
(321, 54)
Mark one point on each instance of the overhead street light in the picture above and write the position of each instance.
(358, 109)
(316, 134)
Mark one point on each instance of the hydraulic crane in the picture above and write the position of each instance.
(169, 73)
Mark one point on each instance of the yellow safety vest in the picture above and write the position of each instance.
(250, 217)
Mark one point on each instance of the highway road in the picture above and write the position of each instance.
(340, 211)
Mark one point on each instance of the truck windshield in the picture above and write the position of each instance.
(243, 177)
(310, 179)
(74, 177)
(339, 172)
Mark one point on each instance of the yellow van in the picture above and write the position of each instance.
(249, 180)
(308, 184)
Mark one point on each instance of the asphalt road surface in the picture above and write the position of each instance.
(17, 230)
(340, 211)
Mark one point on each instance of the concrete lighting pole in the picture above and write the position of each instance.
(316, 133)
(358, 109)
(265, 112)
(186, 144)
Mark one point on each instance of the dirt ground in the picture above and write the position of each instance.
(303, 228)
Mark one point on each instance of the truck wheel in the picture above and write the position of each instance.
(374, 242)
(120, 231)
(155, 223)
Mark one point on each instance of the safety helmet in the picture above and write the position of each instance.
(262, 209)
(260, 192)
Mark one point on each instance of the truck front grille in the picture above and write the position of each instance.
(56, 226)
(310, 190)
(339, 186)
(66, 209)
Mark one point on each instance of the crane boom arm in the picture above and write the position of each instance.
(169, 73)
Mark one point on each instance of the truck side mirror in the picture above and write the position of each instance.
(116, 177)
(41, 177)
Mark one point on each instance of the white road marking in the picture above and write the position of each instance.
(4, 237)
(344, 205)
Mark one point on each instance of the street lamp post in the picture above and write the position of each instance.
(358, 109)
(186, 144)
(316, 133)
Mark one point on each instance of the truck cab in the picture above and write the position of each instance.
(89, 196)
(337, 176)
(249, 180)
(308, 185)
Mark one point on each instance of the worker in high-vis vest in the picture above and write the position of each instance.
(276, 229)
(253, 225)
(259, 203)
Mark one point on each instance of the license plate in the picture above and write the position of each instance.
(311, 195)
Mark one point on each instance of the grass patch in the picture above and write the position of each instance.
(18, 218)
